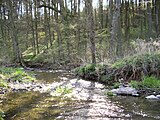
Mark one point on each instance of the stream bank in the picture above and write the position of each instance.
(71, 98)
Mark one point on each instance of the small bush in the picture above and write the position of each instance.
(80, 70)
(14, 74)
(90, 68)
(106, 78)
(138, 60)
(116, 85)
(85, 69)
(134, 84)
(151, 82)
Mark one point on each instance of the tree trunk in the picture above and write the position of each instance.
(91, 29)
(14, 32)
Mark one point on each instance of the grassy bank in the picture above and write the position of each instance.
(140, 71)
(9, 74)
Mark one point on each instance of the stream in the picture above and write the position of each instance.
(84, 100)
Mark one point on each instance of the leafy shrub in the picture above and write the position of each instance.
(106, 78)
(116, 85)
(85, 69)
(150, 82)
(14, 74)
(134, 84)
(80, 70)
(138, 60)
(89, 68)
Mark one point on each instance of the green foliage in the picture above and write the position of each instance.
(116, 85)
(110, 94)
(85, 69)
(89, 68)
(39, 58)
(139, 60)
(151, 82)
(106, 78)
(100, 67)
(134, 84)
(79, 70)
(3, 83)
(2, 115)
(14, 74)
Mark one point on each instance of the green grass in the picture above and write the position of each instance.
(138, 60)
(147, 82)
(85, 69)
(116, 85)
(151, 82)
(134, 84)
(90, 68)
(14, 74)
(106, 78)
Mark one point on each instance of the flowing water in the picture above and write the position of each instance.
(89, 103)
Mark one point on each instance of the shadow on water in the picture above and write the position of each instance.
(38, 106)
(16, 103)
(139, 107)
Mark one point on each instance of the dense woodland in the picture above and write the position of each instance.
(75, 31)
(114, 42)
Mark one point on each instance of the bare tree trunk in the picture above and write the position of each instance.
(36, 27)
(79, 29)
(75, 7)
(101, 13)
(91, 29)
(59, 38)
(149, 12)
(114, 29)
(14, 32)
(32, 28)
(46, 26)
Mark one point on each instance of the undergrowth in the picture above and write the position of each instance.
(150, 82)
(132, 69)
(9, 74)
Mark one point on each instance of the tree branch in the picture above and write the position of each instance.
(49, 7)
